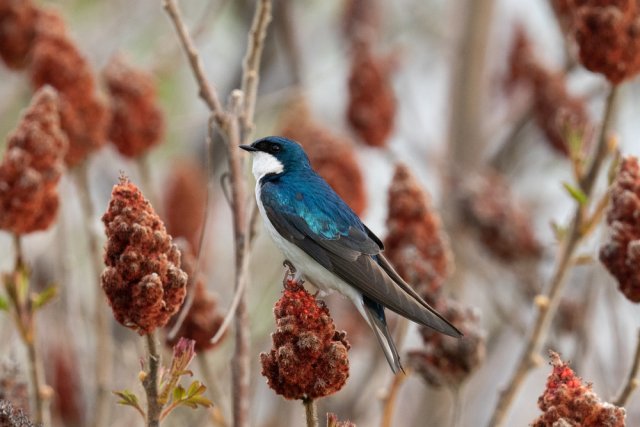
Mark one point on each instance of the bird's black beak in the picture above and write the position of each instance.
(248, 148)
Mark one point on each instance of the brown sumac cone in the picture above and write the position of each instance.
(137, 122)
(56, 61)
(608, 37)
(502, 224)
(566, 401)
(331, 155)
(185, 200)
(558, 114)
(309, 357)
(372, 105)
(447, 361)
(143, 281)
(32, 166)
(17, 30)
(203, 319)
(621, 252)
(416, 244)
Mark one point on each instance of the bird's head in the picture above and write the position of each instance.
(275, 155)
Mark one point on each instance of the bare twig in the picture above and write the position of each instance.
(101, 315)
(150, 382)
(633, 381)
(235, 125)
(17, 244)
(251, 65)
(310, 412)
(389, 402)
(547, 304)
(207, 91)
(237, 294)
(18, 289)
(188, 302)
(37, 381)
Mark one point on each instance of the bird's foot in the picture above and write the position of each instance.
(292, 278)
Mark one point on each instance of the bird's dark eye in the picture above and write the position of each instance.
(275, 148)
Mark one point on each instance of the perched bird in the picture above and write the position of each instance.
(328, 244)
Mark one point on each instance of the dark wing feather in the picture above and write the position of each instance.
(351, 257)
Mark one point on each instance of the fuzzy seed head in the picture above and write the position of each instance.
(608, 36)
(56, 61)
(447, 361)
(503, 226)
(416, 244)
(620, 254)
(143, 281)
(558, 114)
(567, 401)
(17, 30)
(372, 105)
(309, 357)
(137, 122)
(32, 167)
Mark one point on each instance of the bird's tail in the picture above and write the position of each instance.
(378, 322)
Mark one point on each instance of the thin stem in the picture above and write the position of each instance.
(188, 301)
(601, 150)
(251, 65)
(548, 304)
(207, 91)
(35, 373)
(104, 361)
(150, 382)
(236, 126)
(311, 412)
(389, 403)
(632, 381)
(17, 244)
(235, 302)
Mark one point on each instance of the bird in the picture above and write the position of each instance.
(329, 245)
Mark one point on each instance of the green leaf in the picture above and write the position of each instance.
(4, 304)
(179, 393)
(192, 397)
(195, 389)
(127, 398)
(576, 193)
(44, 297)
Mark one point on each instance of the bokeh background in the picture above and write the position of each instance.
(453, 114)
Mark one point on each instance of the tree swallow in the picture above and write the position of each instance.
(328, 244)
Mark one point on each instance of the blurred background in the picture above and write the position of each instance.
(456, 109)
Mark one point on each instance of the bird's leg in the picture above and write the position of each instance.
(290, 278)
(293, 277)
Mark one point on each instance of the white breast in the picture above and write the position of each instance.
(307, 267)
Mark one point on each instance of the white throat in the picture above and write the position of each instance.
(264, 164)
